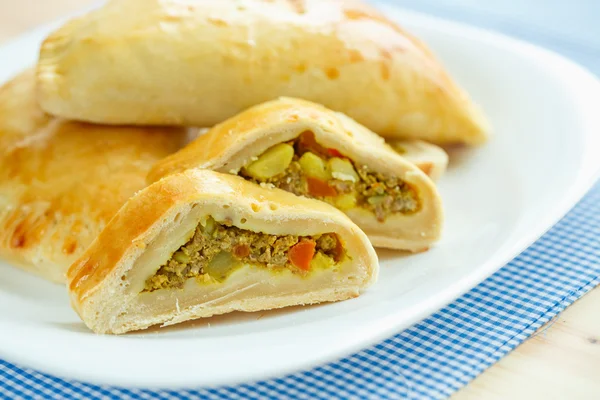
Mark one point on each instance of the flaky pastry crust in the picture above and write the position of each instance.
(200, 62)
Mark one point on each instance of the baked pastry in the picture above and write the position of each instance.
(201, 243)
(60, 182)
(198, 63)
(431, 159)
(309, 150)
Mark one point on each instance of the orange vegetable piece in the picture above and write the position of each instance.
(301, 254)
(334, 153)
(319, 188)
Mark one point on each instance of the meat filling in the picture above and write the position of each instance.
(304, 167)
(217, 249)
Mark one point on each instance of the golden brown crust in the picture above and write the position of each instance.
(228, 57)
(103, 281)
(60, 182)
(232, 144)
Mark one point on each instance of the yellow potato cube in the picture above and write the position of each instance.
(314, 166)
(321, 261)
(346, 201)
(342, 169)
(272, 162)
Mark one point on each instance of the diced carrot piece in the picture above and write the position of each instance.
(334, 153)
(319, 188)
(301, 254)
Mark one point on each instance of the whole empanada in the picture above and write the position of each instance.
(61, 182)
(200, 62)
(311, 151)
(201, 243)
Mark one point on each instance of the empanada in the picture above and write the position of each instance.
(201, 243)
(308, 150)
(431, 159)
(60, 182)
(200, 62)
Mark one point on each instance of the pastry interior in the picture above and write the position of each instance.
(304, 167)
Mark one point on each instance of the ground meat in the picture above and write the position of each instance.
(375, 192)
(342, 186)
(213, 239)
(330, 246)
(327, 243)
(385, 196)
(293, 180)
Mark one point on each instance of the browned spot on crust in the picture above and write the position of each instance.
(356, 56)
(82, 273)
(17, 240)
(356, 14)
(293, 118)
(385, 54)
(168, 18)
(372, 15)
(70, 246)
(301, 68)
(426, 167)
(423, 250)
(332, 72)
(385, 71)
(217, 21)
(298, 6)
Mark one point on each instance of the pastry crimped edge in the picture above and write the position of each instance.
(103, 284)
(232, 144)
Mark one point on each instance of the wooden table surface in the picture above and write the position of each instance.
(562, 361)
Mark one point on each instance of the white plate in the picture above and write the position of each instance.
(498, 200)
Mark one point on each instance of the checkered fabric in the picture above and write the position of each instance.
(428, 361)
(437, 356)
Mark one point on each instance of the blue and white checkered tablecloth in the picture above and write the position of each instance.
(444, 352)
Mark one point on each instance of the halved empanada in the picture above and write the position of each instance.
(201, 243)
(200, 62)
(60, 182)
(431, 159)
(308, 150)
